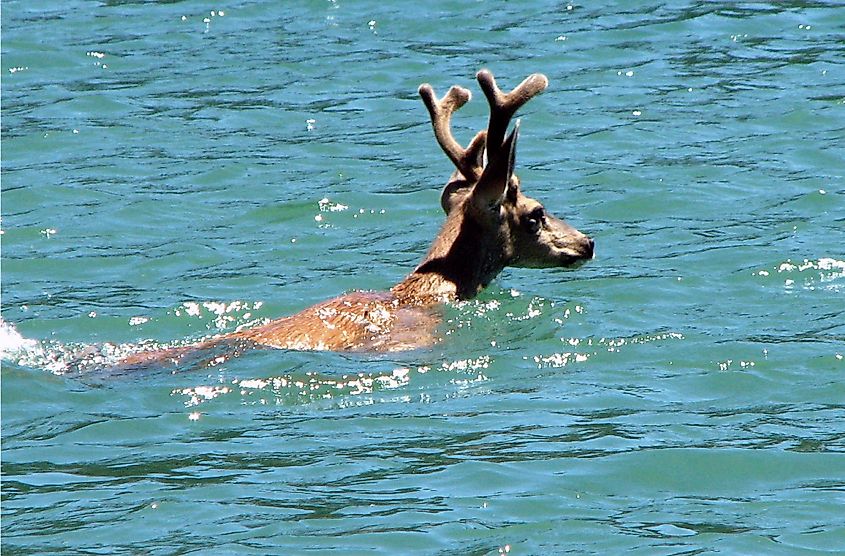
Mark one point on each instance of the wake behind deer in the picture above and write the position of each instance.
(490, 224)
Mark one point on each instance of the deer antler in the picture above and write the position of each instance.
(467, 161)
(504, 105)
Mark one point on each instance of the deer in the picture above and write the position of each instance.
(490, 224)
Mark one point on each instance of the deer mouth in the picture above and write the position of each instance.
(577, 258)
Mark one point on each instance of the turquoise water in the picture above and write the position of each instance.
(170, 173)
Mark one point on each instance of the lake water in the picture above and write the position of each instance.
(173, 170)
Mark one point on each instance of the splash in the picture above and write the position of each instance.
(61, 358)
(220, 315)
(26, 352)
(12, 343)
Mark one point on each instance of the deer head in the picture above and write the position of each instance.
(490, 223)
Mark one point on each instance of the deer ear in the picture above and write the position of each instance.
(492, 187)
(510, 148)
(454, 194)
(475, 150)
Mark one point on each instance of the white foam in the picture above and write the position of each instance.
(12, 344)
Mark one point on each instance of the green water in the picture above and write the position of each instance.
(165, 178)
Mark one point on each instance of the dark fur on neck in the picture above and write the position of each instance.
(464, 258)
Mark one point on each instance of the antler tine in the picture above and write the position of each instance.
(441, 116)
(504, 105)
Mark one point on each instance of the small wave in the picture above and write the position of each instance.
(825, 273)
(582, 349)
(297, 387)
(347, 389)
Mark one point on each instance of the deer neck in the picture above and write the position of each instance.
(463, 259)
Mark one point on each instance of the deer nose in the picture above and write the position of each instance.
(591, 244)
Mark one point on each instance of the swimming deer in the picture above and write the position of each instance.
(490, 224)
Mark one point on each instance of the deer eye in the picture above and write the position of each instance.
(534, 219)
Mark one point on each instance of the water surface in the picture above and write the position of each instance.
(174, 170)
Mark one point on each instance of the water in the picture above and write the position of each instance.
(169, 173)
